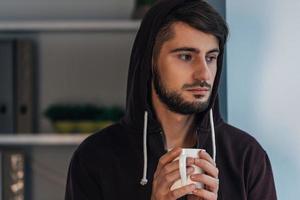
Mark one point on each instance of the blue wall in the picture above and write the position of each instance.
(263, 76)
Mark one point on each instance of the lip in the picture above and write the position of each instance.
(200, 91)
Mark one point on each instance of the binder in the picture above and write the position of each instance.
(24, 67)
(17, 86)
(7, 91)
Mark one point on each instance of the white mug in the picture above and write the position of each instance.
(184, 179)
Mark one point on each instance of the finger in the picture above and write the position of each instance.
(204, 155)
(165, 182)
(212, 184)
(174, 165)
(207, 167)
(205, 194)
(180, 192)
(192, 197)
(169, 168)
(166, 158)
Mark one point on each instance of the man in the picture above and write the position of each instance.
(172, 103)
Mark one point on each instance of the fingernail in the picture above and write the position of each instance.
(203, 150)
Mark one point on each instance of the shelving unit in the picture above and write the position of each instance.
(88, 49)
(41, 139)
(89, 43)
(70, 25)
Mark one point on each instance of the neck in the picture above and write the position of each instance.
(179, 130)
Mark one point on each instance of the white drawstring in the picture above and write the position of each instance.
(213, 135)
(144, 179)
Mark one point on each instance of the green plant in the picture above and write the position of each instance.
(83, 112)
(111, 113)
(144, 2)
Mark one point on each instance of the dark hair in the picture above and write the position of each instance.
(199, 15)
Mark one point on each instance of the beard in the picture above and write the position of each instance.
(174, 100)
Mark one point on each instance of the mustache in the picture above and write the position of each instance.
(197, 84)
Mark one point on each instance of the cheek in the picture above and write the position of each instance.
(174, 74)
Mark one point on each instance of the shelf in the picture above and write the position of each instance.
(61, 25)
(41, 139)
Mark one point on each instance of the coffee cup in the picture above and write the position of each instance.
(184, 178)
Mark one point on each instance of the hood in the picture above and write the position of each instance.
(138, 98)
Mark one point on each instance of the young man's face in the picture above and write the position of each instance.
(185, 69)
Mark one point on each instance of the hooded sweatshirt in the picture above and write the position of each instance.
(110, 164)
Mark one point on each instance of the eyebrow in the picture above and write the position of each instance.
(195, 50)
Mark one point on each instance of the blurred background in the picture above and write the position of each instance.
(63, 75)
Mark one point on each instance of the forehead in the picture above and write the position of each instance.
(185, 35)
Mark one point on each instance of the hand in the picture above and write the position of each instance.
(209, 178)
(167, 172)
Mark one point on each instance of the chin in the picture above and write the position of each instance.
(197, 98)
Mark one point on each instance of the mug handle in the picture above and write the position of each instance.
(182, 169)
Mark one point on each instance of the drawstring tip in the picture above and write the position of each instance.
(144, 182)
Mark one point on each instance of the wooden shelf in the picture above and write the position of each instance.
(71, 25)
(41, 139)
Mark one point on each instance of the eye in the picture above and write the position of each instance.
(210, 59)
(185, 57)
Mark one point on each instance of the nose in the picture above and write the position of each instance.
(201, 71)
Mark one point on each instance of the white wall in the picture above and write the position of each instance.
(263, 79)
